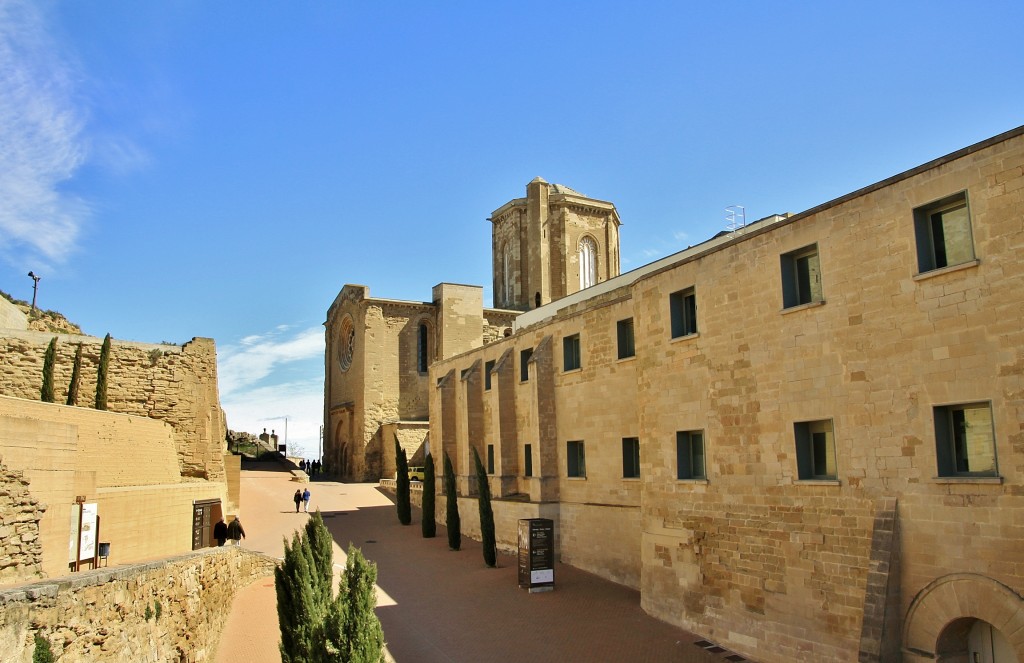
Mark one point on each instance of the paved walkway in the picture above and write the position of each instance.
(441, 606)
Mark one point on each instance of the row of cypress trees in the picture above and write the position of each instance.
(49, 362)
(452, 518)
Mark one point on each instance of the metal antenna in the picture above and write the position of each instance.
(735, 217)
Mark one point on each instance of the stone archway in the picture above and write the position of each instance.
(940, 620)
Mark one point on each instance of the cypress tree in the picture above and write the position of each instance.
(321, 556)
(402, 499)
(486, 513)
(452, 506)
(76, 377)
(298, 611)
(352, 632)
(429, 480)
(46, 393)
(101, 374)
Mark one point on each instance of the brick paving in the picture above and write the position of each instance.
(441, 606)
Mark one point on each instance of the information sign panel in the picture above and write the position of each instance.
(537, 554)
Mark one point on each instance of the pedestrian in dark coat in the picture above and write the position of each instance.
(235, 532)
(297, 498)
(220, 532)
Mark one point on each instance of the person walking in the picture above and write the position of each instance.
(236, 532)
(220, 531)
(297, 498)
(305, 500)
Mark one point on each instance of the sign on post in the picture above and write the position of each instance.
(537, 554)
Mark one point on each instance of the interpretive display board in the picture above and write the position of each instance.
(537, 554)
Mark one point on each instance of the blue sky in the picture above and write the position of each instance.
(221, 169)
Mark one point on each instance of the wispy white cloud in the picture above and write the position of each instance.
(41, 143)
(242, 366)
(665, 247)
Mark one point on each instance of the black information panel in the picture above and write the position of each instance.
(537, 554)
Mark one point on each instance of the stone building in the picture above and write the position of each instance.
(551, 243)
(801, 440)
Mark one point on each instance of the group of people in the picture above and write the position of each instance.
(310, 467)
(233, 532)
(301, 497)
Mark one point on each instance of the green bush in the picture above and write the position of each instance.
(46, 393)
(452, 520)
(42, 652)
(487, 538)
(429, 482)
(402, 498)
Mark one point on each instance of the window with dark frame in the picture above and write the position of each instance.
(624, 331)
(690, 455)
(571, 352)
(815, 450)
(524, 364)
(490, 459)
(488, 367)
(423, 348)
(630, 458)
(943, 233)
(683, 311)
(528, 460)
(576, 459)
(965, 442)
(801, 277)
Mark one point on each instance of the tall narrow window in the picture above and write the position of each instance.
(690, 455)
(528, 460)
(815, 450)
(965, 440)
(490, 459)
(683, 309)
(588, 262)
(506, 273)
(524, 364)
(423, 348)
(943, 233)
(488, 367)
(624, 331)
(801, 277)
(571, 352)
(576, 459)
(630, 458)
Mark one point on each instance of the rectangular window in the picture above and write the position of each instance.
(528, 460)
(943, 233)
(683, 309)
(465, 372)
(488, 367)
(630, 458)
(571, 352)
(624, 329)
(422, 348)
(524, 364)
(815, 450)
(801, 277)
(965, 440)
(490, 459)
(690, 455)
(576, 459)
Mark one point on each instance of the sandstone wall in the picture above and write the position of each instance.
(101, 615)
(11, 316)
(174, 384)
(21, 549)
(126, 464)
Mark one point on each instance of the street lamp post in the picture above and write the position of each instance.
(35, 288)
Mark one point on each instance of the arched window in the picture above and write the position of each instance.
(423, 348)
(506, 273)
(588, 262)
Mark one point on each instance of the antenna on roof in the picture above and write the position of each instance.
(735, 218)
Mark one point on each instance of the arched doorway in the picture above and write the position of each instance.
(965, 618)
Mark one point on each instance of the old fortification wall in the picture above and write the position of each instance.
(171, 610)
(175, 384)
(125, 464)
(21, 550)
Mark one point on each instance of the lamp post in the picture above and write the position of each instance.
(35, 288)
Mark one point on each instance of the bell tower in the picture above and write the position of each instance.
(552, 243)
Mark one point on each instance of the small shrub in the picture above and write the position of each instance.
(149, 613)
(157, 609)
(42, 652)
